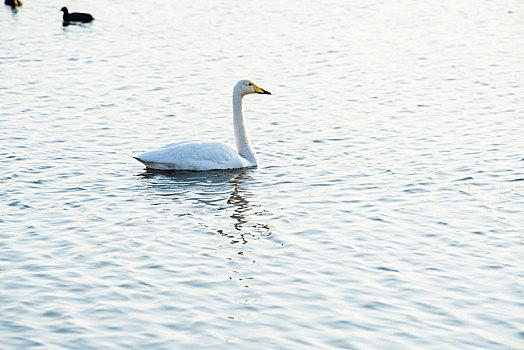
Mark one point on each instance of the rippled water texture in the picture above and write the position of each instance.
(386, 211)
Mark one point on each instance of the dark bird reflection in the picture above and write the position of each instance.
(213, 188)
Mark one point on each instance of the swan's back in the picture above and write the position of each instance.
(194, 155)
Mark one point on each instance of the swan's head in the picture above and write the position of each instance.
(246, 87)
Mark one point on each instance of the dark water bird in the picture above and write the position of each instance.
(76, 16)
(13, 3)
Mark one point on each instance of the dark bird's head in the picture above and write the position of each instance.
(64, 10)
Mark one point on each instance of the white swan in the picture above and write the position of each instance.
(209, 155)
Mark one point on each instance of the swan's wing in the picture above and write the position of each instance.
(199, 155)
(171, 145)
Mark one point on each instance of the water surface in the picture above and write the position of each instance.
(386, 211)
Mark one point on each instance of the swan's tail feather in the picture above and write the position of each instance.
(156, 165)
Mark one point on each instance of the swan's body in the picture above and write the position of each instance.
(194, 155)
(209, 155)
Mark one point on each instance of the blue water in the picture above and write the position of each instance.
(386, 212)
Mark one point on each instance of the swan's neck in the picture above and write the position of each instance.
(241, 134)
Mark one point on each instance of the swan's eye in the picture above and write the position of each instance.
(250, 84)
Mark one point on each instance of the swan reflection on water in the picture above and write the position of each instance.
(224, 190)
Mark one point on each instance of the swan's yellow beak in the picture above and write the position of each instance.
(260, 90)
